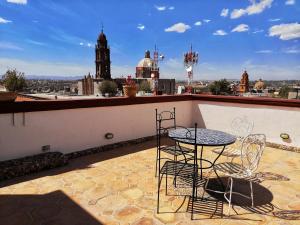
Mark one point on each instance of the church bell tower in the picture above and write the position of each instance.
(102, 58)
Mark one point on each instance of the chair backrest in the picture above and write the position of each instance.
(167, 119)
(241, 127)
(251, 152)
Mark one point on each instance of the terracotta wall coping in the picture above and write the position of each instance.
(249, 100)
(48, 105)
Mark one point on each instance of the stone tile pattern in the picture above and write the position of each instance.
(119, 187)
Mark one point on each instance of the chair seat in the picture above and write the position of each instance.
(178, 169)
(234, 170)
(176, 150)
(229, 152)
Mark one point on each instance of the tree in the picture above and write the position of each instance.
(220, 87)
(284, 91)
(109, 87)
(14, 80)
(145, 86)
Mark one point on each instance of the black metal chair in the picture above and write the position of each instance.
(175, 150)
(182, 169)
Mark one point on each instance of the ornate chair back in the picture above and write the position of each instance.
(241, 127)
(252, 149)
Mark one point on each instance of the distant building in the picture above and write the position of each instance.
(102, 58)
(148, 68)
(259, 85)
(89, 85)
(244, 84)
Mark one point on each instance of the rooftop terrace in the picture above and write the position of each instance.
(119, 187)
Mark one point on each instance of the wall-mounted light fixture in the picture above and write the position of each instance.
(109, 136)
(284, 136)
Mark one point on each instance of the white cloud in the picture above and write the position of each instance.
(206, 21)
(237, 13)
(9, 46)
(220, 33)
(264, 51)
(160, 8)
(224, 12)
(274, 20)
(21, 2)
(257, 31)
(291, 50)
(87, 44)
(141, 26)
(241, 28)
(171, 8)
(254, 8)
(290, 2)
(285, 31)
(178, 27)
(35, 42)
(198, 23)
(2, 20)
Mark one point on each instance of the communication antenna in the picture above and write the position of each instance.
(190, 58)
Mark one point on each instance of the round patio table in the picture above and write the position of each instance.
(204, 137)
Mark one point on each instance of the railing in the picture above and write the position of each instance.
(73, 125)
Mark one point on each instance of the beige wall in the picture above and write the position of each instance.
(268, 120)
(78, 129)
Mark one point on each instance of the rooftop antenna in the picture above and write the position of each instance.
(190, 59)
(156, 58)
(102, 27)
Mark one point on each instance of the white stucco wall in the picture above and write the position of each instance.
(268, 120)
(78, 129)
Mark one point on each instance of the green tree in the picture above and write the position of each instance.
(145, 86)
(220, 87)
(109, 87)
(284, 91)
(14, 80)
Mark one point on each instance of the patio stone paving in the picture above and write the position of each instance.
(119, 187)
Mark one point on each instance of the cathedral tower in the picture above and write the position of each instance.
(102, 58)
(244, 84)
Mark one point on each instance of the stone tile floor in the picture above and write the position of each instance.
(119, 187)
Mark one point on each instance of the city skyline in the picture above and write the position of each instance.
(51, 38)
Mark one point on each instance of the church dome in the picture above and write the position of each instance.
(146, 62)
(259, 85)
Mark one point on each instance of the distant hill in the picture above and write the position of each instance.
(49, 77)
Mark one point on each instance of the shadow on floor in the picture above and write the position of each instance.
(84, 162)
(53, 208)
(261, 195)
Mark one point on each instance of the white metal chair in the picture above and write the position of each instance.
(240, 127)
(251, 152)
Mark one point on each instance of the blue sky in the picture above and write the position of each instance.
(57, 37)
